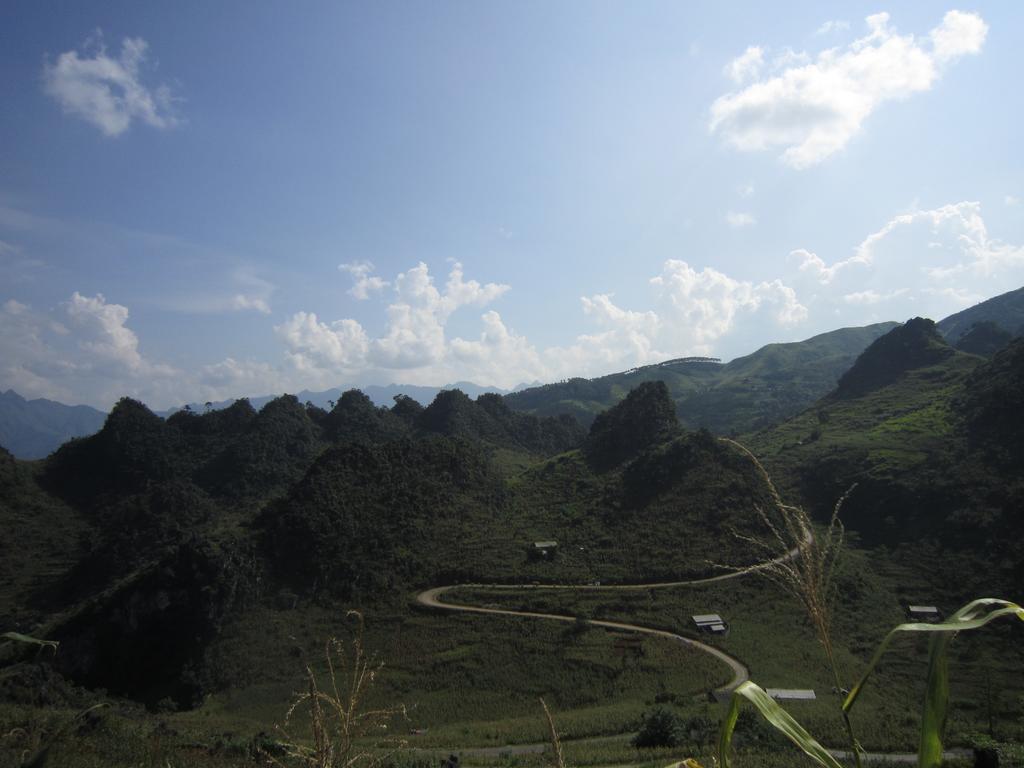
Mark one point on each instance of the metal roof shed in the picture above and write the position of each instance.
(791, 694)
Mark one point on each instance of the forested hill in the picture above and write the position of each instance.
(931, 437)
(748, 393)
(1005, 311)
(136, 547)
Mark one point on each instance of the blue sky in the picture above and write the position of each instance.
(200, 201)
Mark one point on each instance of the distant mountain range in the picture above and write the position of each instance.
(744, 395)
(747, 393)
(772, 384)
(32, 429)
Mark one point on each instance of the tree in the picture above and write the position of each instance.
(661, 727)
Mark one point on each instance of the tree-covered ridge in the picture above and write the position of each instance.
(179, 523)
(992, 407)
(643, 419)
(984, 338)
(913, 345)
(1006, 311)
(929, 434)
(165, 531)
(750, 392)
(367, 518)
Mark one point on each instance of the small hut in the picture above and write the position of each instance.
(711, 623)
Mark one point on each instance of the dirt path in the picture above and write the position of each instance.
(432, 599)
(740, 673)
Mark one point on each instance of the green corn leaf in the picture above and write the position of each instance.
(964, 619)
(778, 717)
(974, 615)
(20, 638)
(936, 702)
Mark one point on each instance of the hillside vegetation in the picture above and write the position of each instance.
(193, 565)
(748, 393)
(930, 435)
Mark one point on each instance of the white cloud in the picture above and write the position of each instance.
(692, 310)
(83, 351)
(739, 220)
(415, 334)
(704, 306)
(965, 237)
(746, 66)
(813, 108)
(499, 355)
(86, 349)
(790, 58)
(414, 337)
(925, 262)
(832, 25)
(1011, 200)
(108, 92)
(873, 297)
(814, 265)
(103, 330)
(959, 34)
(241, 302)
(746, 190)
(14, 308)
(365, 282)
(312, 344)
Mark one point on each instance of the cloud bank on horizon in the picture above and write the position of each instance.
(85, 348)
(411, 320)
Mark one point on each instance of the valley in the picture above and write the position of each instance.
(191, 568)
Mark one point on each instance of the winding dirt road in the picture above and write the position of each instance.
(431, 598)
(740, 672)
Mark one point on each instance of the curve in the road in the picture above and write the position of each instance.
(431, 598)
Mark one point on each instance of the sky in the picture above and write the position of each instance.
(209, 200)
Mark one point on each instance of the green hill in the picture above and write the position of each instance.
(777, 381)
(198, 563)
(1005, 310)
(930, 435)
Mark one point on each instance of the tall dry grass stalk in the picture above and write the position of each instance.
(803, 563)
(556, 743)
(344, 731)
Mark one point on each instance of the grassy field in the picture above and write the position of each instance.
(769, 633)
(474, 681)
